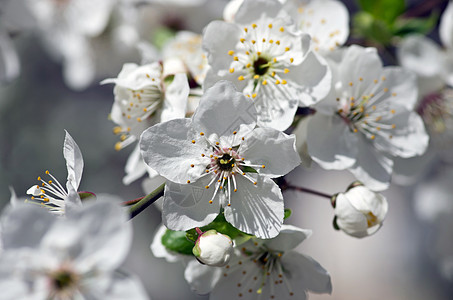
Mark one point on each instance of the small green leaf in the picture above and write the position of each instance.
(385, 10)
(287, 213)
(403, 27)
(161, 36)
(219, 224)
(248, 169)
(169, 79)
(372, 29)
(176, 241)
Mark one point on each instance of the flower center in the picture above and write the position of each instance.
(63, 279)
(261, 66)
(226, 162)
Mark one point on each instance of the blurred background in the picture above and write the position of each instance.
(407, 259)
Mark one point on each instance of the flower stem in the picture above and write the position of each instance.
(309, 191)
(131, 202)
(146, 201)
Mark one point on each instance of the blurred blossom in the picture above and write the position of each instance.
(66, 258)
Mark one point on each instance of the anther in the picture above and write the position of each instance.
(231, 52)
(240, 78)
(231, 70)
(188, 181)
(193, 141)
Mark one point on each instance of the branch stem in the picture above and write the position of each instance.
(146, 201)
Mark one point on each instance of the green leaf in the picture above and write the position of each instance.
(403, 27)
(219, 224)
(372, 29)
(287, 213)
(248, 169)
(161, 36)
(169, 79)
(385, 10)
(176, 241)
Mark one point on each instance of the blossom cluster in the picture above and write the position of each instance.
(217, 119)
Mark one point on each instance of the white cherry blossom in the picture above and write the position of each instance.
(367, 119)
(66, 258)
(359, 211)
(217, 159)
(268, 59)
(51, 193)
(144, 97)
(263, 269)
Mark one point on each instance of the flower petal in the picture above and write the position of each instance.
(223, 111)
(215, 36)
(187, 205)
(372, 167)
(256, 209)
(306, 273)
(74, 160)
(24, 225)
(202, 278)
(446, 26)
(315, 83)
(330, 142)
(251, 10)
(261, 146)
(175, 99)
(288, 238)
(168, 148)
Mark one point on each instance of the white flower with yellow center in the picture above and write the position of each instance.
(217, 159)
(144, 96)
(50, 193)
(268, 59)
(263, 269)
(366, 119)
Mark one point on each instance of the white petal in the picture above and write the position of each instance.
(135, 166)
(168, 149)
(202, 278)
(74, 160)
(24, 226)
(216, 37)
(251, 10)
(402, 87)
(99, 235)
(223, 111)
(409, 137)
(187, 205)
(359, 62)
(446, 26)
(256, 209)
(372, 167)
(288, 238)
(349, 219)
(275, 109)
(365, 201)
(315, 83)
(159, 250)
(261, 147)
(306, 273)
(330, 142)
(88, 17)
(329, 22)
(175, 99)
(421, 55)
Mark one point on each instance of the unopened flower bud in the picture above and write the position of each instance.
(359, 211)
(213, 248)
